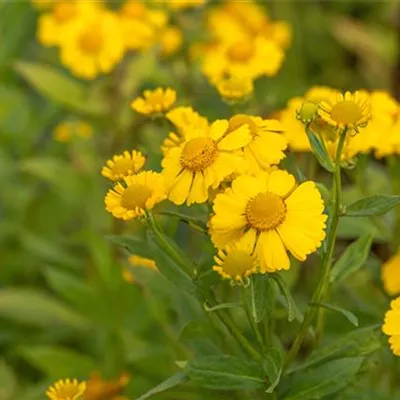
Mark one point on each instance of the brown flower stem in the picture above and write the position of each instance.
(323, 282)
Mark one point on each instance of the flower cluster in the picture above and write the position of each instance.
(93, 38)
(245, 45)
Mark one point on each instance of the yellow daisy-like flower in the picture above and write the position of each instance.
(98, 388)
(273, 214)
(391, 275)
(94, 46)
(267, 145)
(391, 326)
(185, 119)
(65, 131)
(236, 261)
(171, 40)
(122, 165)
(141, 24)
(154, 101)
(250, 58)
(351, 111)
(234, 88)
(203, 161)
(140, 193)
(66, 390)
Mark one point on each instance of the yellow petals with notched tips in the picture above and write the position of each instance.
(123, 165)
(137, 194)
(154, 101)
(271, 212)
(391, 326)
(68, 389)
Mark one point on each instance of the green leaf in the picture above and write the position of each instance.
(353, 258)
(358, 342)
(323, 381)
(272, 365)
(57, 361)
(8, 382)
(222, 306)
(169, 383)
(348, 314)
(320, 151)
(293, 311)
(168, 267)
(132, 244)
(225, 373)
(373, 205)
(261, 296)
(60, 88)
(37, 309)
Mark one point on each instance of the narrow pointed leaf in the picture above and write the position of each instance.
(272, 365)
(260, 296)
(373, 205)
(320, 151)
(293, 311)
(346, 313)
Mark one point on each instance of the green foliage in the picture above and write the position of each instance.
(373, 205)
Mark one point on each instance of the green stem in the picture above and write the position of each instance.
(323, 282)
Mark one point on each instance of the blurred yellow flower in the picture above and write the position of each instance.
(391, 326)
(122, 165)
(203, 161)
(182, 4)
(67, 130)
(141, 192)
(391, 275)
(137, 261)
(234, 88)
(101, 389)
(236, 261)
(154, 101)
(267, 145)
(68, 389)
(185, 119)
(273, 214)
(141, 24)
(94, 45)
(171, 40)
(249, 58)
(351, 111)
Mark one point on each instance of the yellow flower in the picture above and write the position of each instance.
(154, 101)
(123, 165)
(234, 88)
(137, 261)
(100, 389)
(66, 390)
(236, 261)
(182, 4)
(273, 214)
(391, 326)
(141, 192)
(351, 111)
(203, 161)
(185, 119)
(267, 145)
(171, 41)
(94, 45)
(391, 275)
(278, 31)
(66, 130)
(141, 24)
(250, 58)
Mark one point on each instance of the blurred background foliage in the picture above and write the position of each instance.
(65, 308)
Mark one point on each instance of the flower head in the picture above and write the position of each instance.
(203, 161)
(273, 214)
(234, 88)
(122, 165)
(391, 326)
(66, 390)
(267, 143)
(154, 101)
(391, 275)
(171, 40)
(236, 261)
(141, 192)
(94, 44)
(351, 111)
(98, 388)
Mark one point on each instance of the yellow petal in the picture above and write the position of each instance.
(180, 189)
(198, 192)
(235, 140)
(272, 252)
(218, 129)
(280, 182)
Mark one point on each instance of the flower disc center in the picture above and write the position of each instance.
(346, 112)
(266, 211)
(237, 263)
(91, 41)
(198, 153)
(135, 196)
(241, 52)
